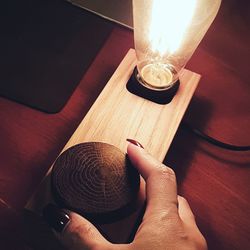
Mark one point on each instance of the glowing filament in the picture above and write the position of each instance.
(169, 21)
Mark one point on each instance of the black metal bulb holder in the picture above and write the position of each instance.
(161, 96)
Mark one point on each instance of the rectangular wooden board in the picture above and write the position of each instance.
(117, 115)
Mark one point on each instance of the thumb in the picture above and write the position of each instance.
(79, 233)
(73, 230)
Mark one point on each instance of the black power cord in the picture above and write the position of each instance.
(212, 140)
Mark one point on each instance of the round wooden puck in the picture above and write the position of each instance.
(96, 180)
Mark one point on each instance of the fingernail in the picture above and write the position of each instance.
(55, 217)
(136, 143)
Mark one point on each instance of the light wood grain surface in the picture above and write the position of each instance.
(117, 115)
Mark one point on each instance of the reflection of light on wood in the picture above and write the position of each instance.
(169, 21)
(157, 74)
(117, 115)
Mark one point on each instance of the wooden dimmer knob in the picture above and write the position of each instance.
(96, 180)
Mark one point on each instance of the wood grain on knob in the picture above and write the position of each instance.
(96, 180)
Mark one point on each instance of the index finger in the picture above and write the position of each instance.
(161, 190)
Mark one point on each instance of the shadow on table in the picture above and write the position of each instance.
(184, 145)
(24, 230)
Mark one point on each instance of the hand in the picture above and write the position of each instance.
(168, 222)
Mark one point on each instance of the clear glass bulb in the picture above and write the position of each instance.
(166, 34)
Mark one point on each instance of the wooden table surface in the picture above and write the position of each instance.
(214, 181)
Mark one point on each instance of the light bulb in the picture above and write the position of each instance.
(166, 34)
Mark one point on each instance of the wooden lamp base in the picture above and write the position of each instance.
(117, 115)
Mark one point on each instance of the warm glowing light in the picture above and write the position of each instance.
(169, 22)
(157, 73)
(166, 33)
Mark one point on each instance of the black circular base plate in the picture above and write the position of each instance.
(164, 96)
